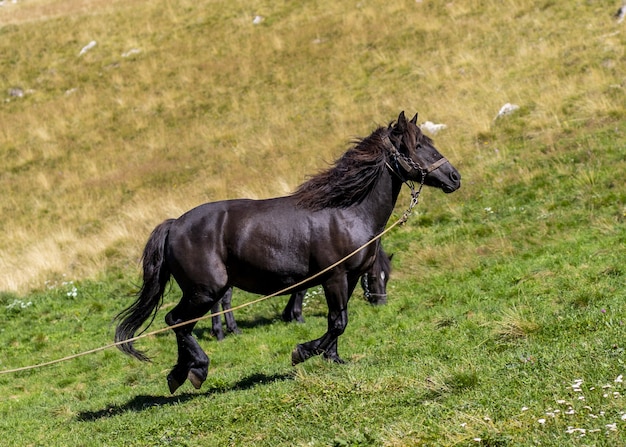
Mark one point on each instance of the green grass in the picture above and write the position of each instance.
(504, 295)
(493, 318)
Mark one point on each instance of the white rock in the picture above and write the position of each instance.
(432, 128)
(507, 109)
(131, 52)
(621, 13)
(87, 47)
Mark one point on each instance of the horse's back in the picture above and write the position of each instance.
(262, 246)
(255, 245)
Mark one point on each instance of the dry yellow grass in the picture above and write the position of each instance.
(208, 105)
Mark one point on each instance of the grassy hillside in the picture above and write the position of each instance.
(505, 324)
(184, 102)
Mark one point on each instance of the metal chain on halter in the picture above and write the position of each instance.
(406, 163)
(415, 194)
(366, 288)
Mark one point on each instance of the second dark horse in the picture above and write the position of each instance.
(263, 246)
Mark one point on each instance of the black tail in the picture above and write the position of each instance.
(150, 297)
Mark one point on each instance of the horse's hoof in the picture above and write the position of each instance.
(173, 384)
(219, 335)
(296, 356)
(335, 359)
(195, 380)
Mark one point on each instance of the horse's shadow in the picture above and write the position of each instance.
(143, 402)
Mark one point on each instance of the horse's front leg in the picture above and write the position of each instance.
(337, 294)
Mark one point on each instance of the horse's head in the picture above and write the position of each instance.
(374, 281)
(415, 156)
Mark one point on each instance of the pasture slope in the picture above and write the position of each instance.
(506, 319)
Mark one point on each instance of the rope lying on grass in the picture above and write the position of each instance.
(414, 200)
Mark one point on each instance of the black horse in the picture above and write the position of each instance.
(373, 282)
(263, 246)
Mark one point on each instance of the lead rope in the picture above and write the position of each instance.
(414, 201)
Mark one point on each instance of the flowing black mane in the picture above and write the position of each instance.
(350, 179)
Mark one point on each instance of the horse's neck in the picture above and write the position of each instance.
(379, 204)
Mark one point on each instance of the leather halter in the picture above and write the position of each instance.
(407, 163)
(365, 283)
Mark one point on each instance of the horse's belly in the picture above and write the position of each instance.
(262, 281)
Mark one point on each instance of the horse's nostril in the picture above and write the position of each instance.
(454, 176)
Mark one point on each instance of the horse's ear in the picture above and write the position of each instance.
(401, 124)
(414, 120)
(402, 118)
(390, 257)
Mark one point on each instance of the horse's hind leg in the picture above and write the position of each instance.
(216, 320)
(216, 323)
(293, 309)
(231, 324)
(193, 363)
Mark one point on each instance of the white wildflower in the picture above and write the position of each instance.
(19, 304)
